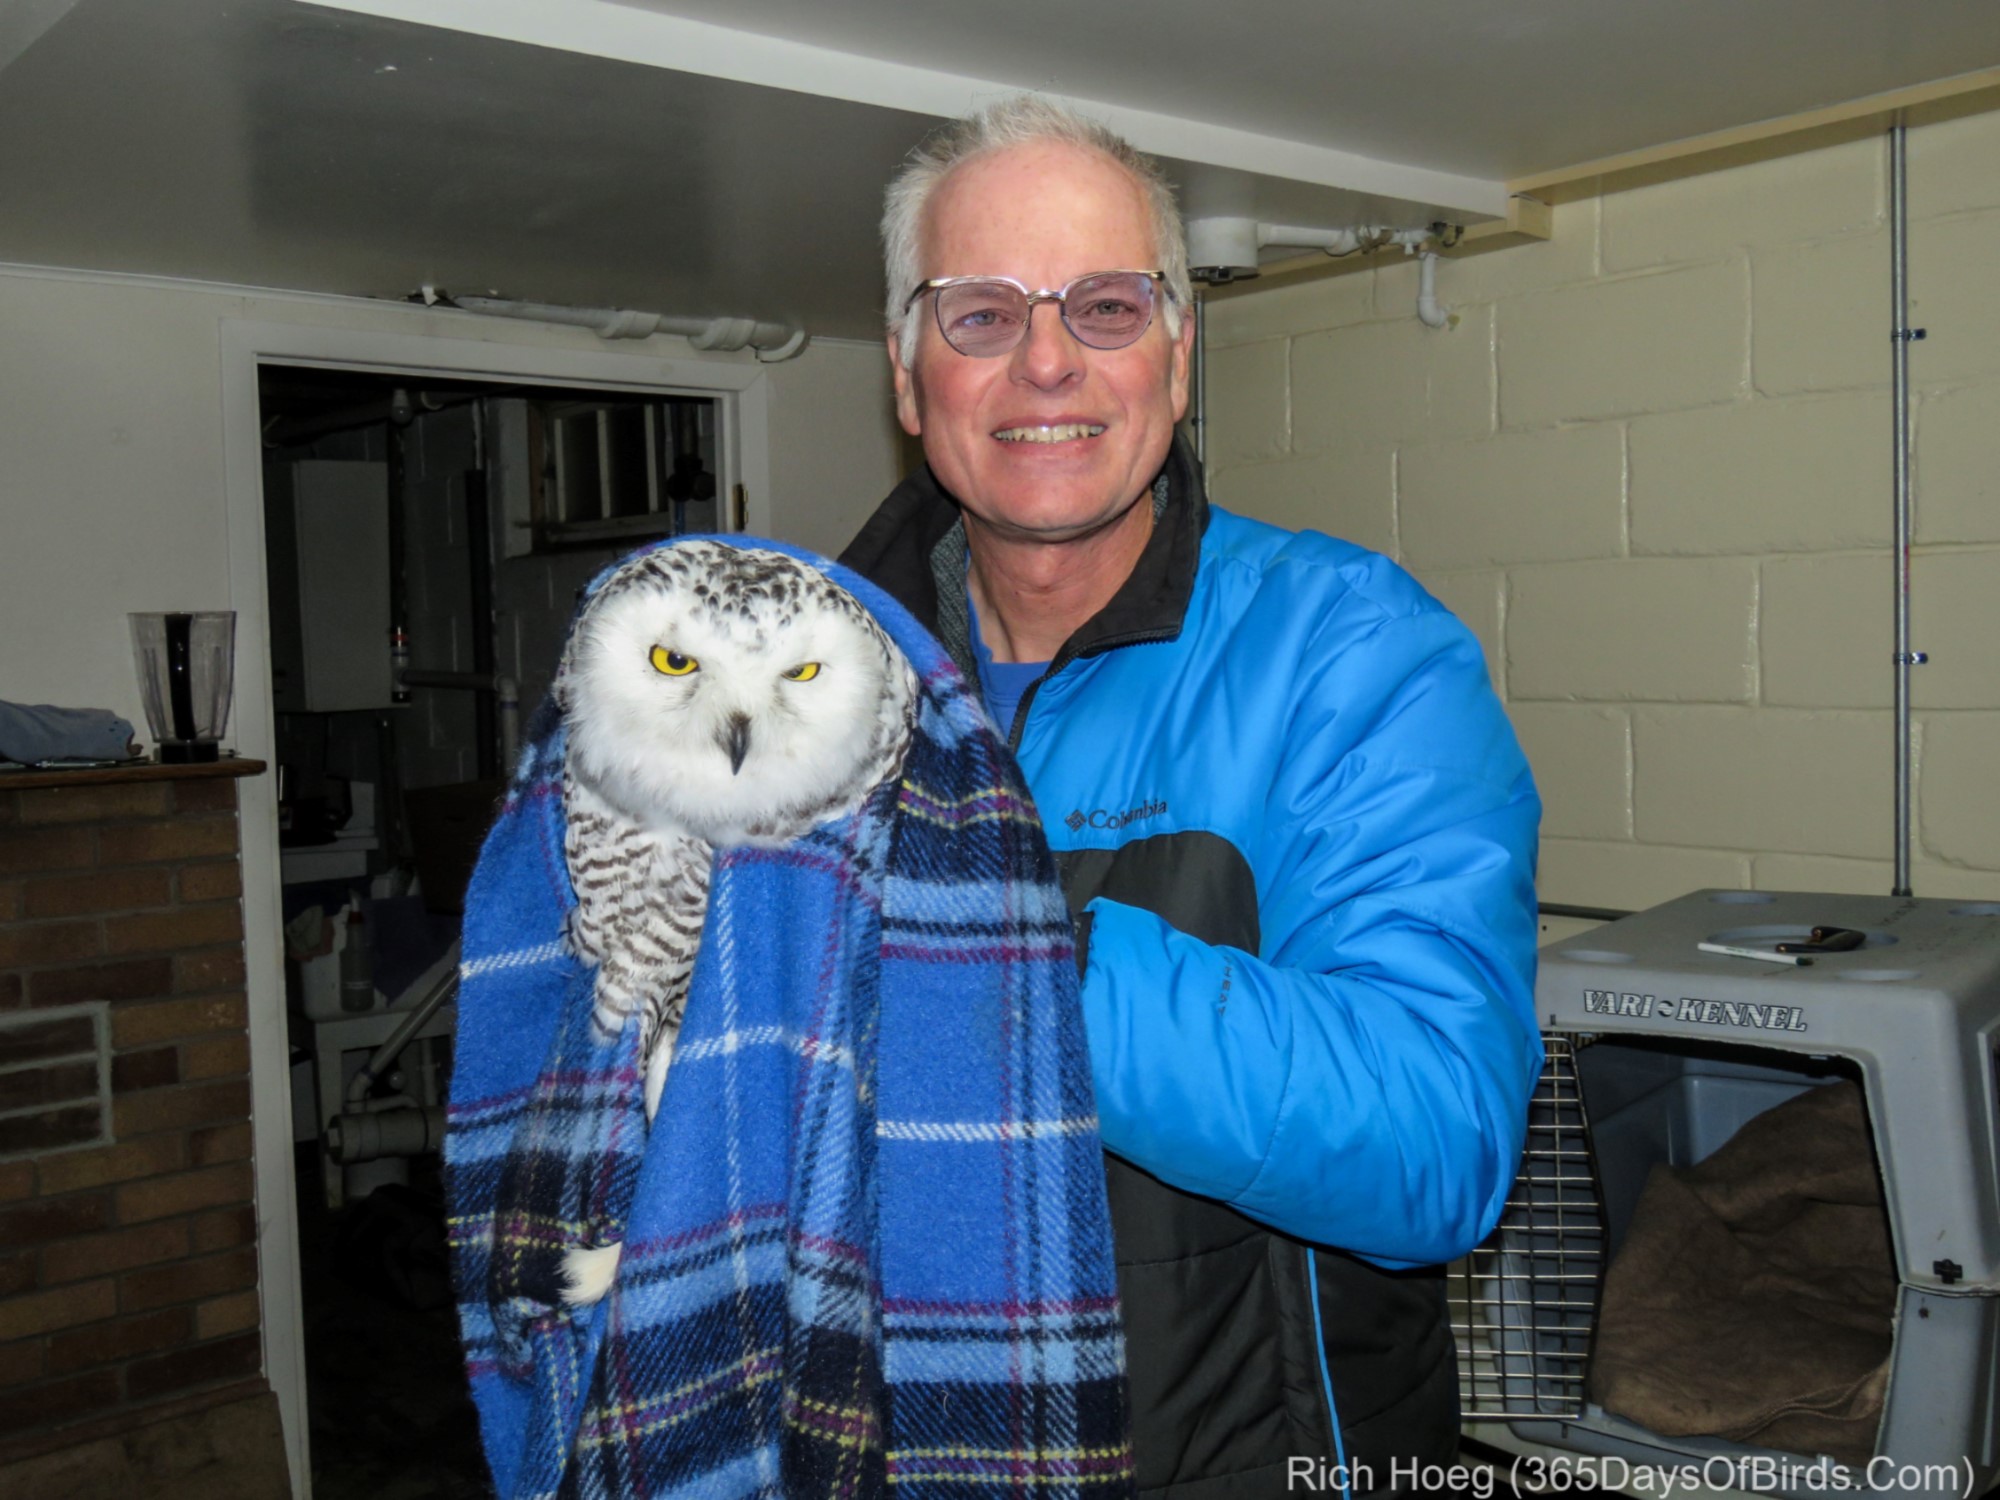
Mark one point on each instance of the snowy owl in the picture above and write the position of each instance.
(712, 696)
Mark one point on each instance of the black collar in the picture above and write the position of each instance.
(914, 547)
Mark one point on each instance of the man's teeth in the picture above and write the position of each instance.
(1062, 434)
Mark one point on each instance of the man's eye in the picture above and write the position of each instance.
(982, 318)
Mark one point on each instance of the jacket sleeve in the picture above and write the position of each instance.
(1363, 1081)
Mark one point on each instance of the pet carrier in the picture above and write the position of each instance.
(1659, 1054)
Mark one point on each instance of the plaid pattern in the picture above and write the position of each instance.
(866, 1243)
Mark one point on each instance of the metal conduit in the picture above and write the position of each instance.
(1201, 385)
(1900, 337)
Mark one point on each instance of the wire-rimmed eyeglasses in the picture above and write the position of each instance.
(984, 316)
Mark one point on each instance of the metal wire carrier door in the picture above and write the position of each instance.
(1524, 1304)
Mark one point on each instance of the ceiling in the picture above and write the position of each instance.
(726, 157)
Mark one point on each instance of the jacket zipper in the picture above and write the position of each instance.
(1325, 1377)
(1063, 658)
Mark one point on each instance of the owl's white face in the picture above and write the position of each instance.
(737, 695)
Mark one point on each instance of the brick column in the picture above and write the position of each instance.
(128, 1256)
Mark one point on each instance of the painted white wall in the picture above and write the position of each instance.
(841, 438)
(111, 488)
(1650, 467)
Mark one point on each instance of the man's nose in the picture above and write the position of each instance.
(1048, 353)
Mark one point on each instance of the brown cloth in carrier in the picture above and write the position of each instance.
(1754, 1294)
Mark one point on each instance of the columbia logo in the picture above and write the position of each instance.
(1115, 820)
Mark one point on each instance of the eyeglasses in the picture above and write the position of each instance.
(984, 316)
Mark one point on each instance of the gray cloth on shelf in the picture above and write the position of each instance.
(1754, 1295)
(31, 732)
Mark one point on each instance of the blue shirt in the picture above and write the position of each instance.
(1001, 683)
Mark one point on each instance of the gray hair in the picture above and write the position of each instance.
(1023, 120)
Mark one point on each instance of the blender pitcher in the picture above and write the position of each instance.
(187, 669)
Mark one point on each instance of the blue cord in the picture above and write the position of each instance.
(1325, 1379)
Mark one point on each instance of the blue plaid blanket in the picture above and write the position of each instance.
(866, 1241)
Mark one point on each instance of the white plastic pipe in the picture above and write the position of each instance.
(772, 341)
(1224, 248)
(1332, 241)
(414, 1130)
(1422, 244)
(1430, 312)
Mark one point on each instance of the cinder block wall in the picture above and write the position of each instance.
(1650, 467)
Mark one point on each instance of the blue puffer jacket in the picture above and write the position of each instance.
(1359, 1079)
(1301, 836)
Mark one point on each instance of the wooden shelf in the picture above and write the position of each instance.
(142, 770)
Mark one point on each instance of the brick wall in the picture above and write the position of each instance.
(128, 1269)
(1650, 467)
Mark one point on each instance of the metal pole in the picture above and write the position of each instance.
(1900, 337)
(1201, 384)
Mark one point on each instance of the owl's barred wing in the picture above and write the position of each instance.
(641, 898)
(896, 720)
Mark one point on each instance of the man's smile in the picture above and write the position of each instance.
(1055, 433)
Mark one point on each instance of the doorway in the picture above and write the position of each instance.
(426, 541)
(454, 509)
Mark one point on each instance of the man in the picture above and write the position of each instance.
(1286, 805)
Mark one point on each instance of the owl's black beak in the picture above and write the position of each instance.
(737, 741)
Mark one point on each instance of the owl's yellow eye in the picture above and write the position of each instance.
(804, 672)
(672, 663)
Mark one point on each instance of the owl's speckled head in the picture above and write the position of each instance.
(733, 693)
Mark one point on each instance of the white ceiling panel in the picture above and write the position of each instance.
(1485, 89)
(726, 157)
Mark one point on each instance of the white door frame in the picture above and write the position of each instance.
(246, 344)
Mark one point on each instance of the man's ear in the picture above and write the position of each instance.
(906, 389)
(1177, 372)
